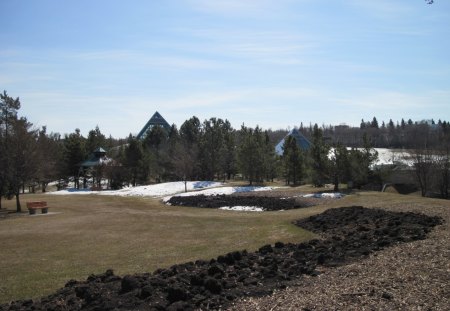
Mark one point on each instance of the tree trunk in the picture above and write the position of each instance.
(336, 183)
(18, 207)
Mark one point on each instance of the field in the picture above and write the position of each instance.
(83, 235)
(89, 234)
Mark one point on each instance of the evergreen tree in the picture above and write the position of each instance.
(74, 154)
(362, 125)
(271, 159)
(8, 115)
(339, 165)
(319, 156)
(190, 135)
(391, 124)
(361, 162)
(136, 161)
(293, 161)
(211, 147)
(374, 123)
(190, 131)
(251, 154)
(228, 152)
(95, 140)
(17, 149)
(23, 151)
(50, 157)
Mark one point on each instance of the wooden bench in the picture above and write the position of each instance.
(33, 206)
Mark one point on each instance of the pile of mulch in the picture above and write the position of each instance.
(216, 283)
(267, 203)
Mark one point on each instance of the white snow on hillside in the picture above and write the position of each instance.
(157, 190)
(385, 156)
(392, 156)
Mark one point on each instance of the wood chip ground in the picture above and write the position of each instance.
(411, 276)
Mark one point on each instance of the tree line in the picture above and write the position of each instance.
(199, 150)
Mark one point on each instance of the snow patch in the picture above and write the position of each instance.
(157, 190)
(332, 195)
(242, 208)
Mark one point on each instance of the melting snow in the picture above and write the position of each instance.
(333, 195)
(157, 190)
(242, 208)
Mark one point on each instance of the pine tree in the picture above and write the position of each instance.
(74, 154)
(319, 156)
(374, 123)
(135, 161)
(293, 161)
(23, 151)
(391, 124)
(95, 140)
(251, 154)
(339, 165)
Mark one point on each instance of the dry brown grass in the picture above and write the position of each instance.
(89, 234)
(85, 234)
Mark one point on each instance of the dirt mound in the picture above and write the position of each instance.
(216, 201)
(350, 233)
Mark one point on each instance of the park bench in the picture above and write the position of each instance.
(33, 206)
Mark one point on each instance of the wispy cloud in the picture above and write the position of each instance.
(384, 9)
(231, 7)
(277, 46)
(130, 57)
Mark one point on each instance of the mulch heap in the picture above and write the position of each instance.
(349, 233)
(217, 201)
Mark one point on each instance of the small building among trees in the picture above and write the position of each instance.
(94, 167)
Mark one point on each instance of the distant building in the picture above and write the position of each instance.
(155, 120)
(96, 158)
(301, 140)
(93, 166)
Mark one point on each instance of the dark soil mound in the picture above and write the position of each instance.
(350, 233)
(216, 201)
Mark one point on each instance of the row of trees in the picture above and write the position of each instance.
(214, 150)
(31, 157)
(208, 150)
(398, 135)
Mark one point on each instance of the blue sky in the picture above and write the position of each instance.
(78, 64)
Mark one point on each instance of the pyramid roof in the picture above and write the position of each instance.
(301, 140)
(156, 119)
